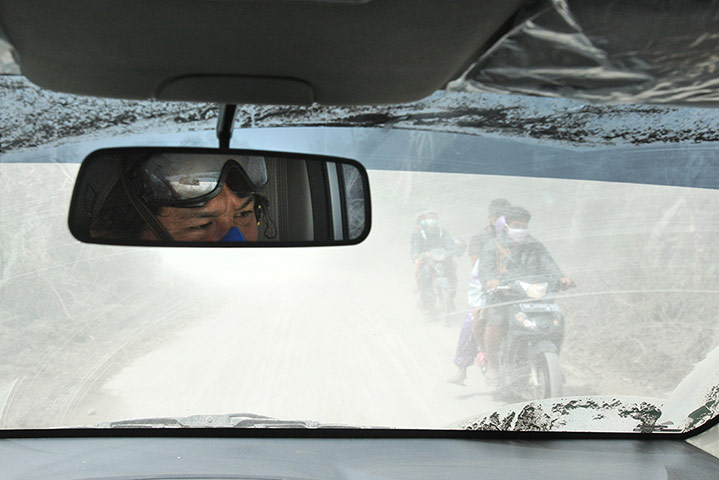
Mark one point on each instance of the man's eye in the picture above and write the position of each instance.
(244, 218)
(204, 226)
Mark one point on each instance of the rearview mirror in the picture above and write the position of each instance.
(211, 197)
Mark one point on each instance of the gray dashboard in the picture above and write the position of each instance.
(351, 458)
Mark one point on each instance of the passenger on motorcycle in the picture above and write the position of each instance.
(489, 231)
(428, 236)
(468, 343)
(511, 256)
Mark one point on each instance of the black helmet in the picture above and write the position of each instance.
(498, 206)
(520, 214)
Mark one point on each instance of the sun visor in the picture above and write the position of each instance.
(281, 52)
(238, 89)
(649, 51)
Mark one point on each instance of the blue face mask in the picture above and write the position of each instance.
(233, 235)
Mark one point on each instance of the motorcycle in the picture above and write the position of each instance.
(529, 355)
(435, 287)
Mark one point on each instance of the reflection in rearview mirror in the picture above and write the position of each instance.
(171, 196)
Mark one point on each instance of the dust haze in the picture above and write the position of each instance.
(95, 333)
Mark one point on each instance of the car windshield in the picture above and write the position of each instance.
(532, 264)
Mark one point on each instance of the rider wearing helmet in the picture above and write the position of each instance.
(490, 230)
(513, 255)
(428, 236)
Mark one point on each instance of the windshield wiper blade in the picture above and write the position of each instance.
(232, 420)
(157, 422)
(248, 420)
(652, 428)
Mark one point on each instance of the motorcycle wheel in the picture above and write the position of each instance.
(427, 304)
(545, 376)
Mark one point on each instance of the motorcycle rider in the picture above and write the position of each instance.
(478, 240)
(513, 255)
(427, 236)
(468, 343)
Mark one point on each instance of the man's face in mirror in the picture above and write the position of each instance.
(246, 221)
(211, 222)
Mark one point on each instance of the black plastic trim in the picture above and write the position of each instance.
(343, 200)
(322, 218)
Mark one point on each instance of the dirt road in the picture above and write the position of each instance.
(96, 333)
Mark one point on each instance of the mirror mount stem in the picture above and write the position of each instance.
(225, 121)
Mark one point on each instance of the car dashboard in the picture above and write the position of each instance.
(359, 458)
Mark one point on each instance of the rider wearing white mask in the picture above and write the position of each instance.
(514, 255)
(429, 235)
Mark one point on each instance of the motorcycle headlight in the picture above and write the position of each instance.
(524, 321)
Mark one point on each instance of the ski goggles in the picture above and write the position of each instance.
(191, 180)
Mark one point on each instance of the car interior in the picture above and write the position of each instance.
(293, 53)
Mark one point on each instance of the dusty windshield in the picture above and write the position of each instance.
(515, 276)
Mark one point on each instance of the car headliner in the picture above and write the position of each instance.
(360, 52)
(248, 51)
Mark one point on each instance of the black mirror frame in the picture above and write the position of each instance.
(86, 238)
